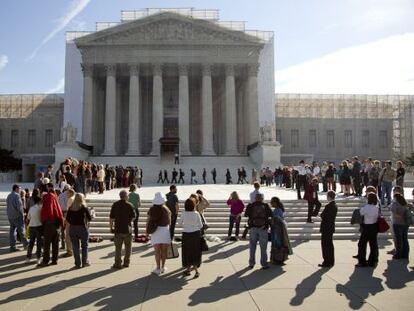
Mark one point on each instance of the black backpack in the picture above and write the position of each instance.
(258, 216)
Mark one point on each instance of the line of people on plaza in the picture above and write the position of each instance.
(51, 213)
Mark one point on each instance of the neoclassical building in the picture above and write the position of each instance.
(170, 81)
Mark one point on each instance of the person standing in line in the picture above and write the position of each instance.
(181, 176)
(78, 217)
(159, 218)
(70, 178)
(399, 211)
(369, 233)
(239, 176)
(256, 191)
(301, 177)
(214, 175)
(400, 174)
(135, 200)
(191, 222)
(327, 230)
(346, 178)
(52, 218)
(174, 176)
(204, 175)
(386, 178)
(193, 176)
(330, 177)
(228, 177)
(244, 175)
(356, 176)
(316, 172)
(166, 177)
(65, 201)
(121, 215)
(236, 209)
(172, 204)
(160, 179)
(108, 177)
(100, 177)
(311, 195)
(203, 203)
(35, 230)
(176, 159)
(259, 215)
(324, 169)
(15, 214)
(39, 181)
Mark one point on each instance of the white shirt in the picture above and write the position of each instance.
(190, 221)
(253, 195)
(301, 170)
(34, 216)
(370, 213)
(316, 170)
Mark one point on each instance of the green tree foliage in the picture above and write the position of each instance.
(8, 162)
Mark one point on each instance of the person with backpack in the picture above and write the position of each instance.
(259, 215)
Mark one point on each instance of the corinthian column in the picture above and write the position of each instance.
(231, 113)
(207, 111)
(157, 110)
(252, 104)
(183, 110)
(110, 110)
(87, 104)
(134, 116)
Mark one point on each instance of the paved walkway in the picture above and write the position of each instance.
(225, 282)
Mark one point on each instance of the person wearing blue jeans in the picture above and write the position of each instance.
(259, 214)
(79, 236)
(258, 235)
(386, 188)
(15, 216)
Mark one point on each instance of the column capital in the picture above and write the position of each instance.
(183, 69)
(229, 69)
(253, 69)
(110, 69)
(157, 69)
(133, 69)
(87, 69)
(206, 69)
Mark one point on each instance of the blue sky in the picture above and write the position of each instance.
(321, 46)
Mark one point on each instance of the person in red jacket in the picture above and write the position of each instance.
(311, 195)
(52, 218)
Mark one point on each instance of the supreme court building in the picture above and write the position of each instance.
(171, 81)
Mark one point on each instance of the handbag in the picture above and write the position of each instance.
(204, 245)
(172, 251)
(383, 226)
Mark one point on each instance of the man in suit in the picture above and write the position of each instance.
(327, 230)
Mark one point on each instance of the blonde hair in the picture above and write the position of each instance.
(78, 202)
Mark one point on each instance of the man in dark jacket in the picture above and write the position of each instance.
(311, 195)
(327, 229)
(356, 176)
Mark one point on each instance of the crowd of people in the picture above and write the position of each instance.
(49, 213)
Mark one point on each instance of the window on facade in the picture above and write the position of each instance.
(295, 138)
(14, 139)
(312, 138)
(383, 139)
(365, 138)
(31, 138)
(279, 136)
(330, 134)
(348, 139)
(49, 138)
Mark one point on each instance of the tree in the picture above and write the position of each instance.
(8, 162)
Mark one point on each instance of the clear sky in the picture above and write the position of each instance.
(321, 46)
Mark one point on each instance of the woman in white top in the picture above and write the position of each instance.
(369, 233)
(191, 223)
(35, 230)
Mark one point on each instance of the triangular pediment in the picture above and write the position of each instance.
(168, 28)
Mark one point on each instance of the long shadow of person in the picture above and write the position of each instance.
(397, 274)
(361, 284)
(226, 253)
(307, 287)
(121, 297)
(233, 285)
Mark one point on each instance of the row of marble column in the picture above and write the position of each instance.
(251, 123)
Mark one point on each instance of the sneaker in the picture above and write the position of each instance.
(163, 270)
(156, 271)
(39, 261)
(27, 261)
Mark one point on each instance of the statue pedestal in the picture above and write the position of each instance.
(266, 154)
(64, 150)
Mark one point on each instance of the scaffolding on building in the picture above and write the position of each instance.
(402, 125)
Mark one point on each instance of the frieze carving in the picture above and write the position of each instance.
(170, 30)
